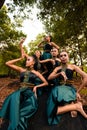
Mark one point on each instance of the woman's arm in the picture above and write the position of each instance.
(12, 65)
(54, 74)
(44, 66)
(21, 48)
(55, 45)
(41, 44)
(84, 77)
(47, 60)
(45, 83)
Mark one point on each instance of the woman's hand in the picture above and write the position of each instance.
(35, 91)
(22, 41)
(78, 96)
(64, 75)
(52, 61)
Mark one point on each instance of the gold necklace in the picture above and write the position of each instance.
(64, 67)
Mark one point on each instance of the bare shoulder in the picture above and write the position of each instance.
(72, 66)
(75, 67)
(36, 72)
(52, 43)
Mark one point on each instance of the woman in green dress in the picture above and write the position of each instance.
(19, 106)
(63, 97)
(47, 46)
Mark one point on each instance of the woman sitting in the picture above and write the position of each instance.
(63, 97)
(19, 106)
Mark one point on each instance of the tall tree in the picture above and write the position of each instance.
(65, 20)
(9, 38)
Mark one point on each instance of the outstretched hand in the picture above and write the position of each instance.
(22, 41)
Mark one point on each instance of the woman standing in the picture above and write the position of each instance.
(47, 45)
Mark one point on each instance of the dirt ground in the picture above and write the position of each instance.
(39, 120)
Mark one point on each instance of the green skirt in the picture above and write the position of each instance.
(46, 55)
(59, 95)
(18, 107)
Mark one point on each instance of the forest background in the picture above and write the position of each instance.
(65, 20)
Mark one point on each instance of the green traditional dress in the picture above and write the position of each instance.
(60, 95)
(19, 106)
(46, 54)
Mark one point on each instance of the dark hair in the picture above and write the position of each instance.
(36, 62)
(50, 38)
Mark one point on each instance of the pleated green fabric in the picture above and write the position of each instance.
(18, 107)
(59, 94)
(46, 55)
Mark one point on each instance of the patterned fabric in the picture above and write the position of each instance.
(21, 104)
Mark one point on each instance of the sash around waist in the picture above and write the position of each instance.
(24, 84)
(67, 82)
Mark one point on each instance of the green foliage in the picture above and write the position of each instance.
(23, 2)
(20, 8)
(84, 92)
(85, 68)
(66, 21)
(65, 17)
(9, 37)
(7, 29)
(33, 45)
(10, 52)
